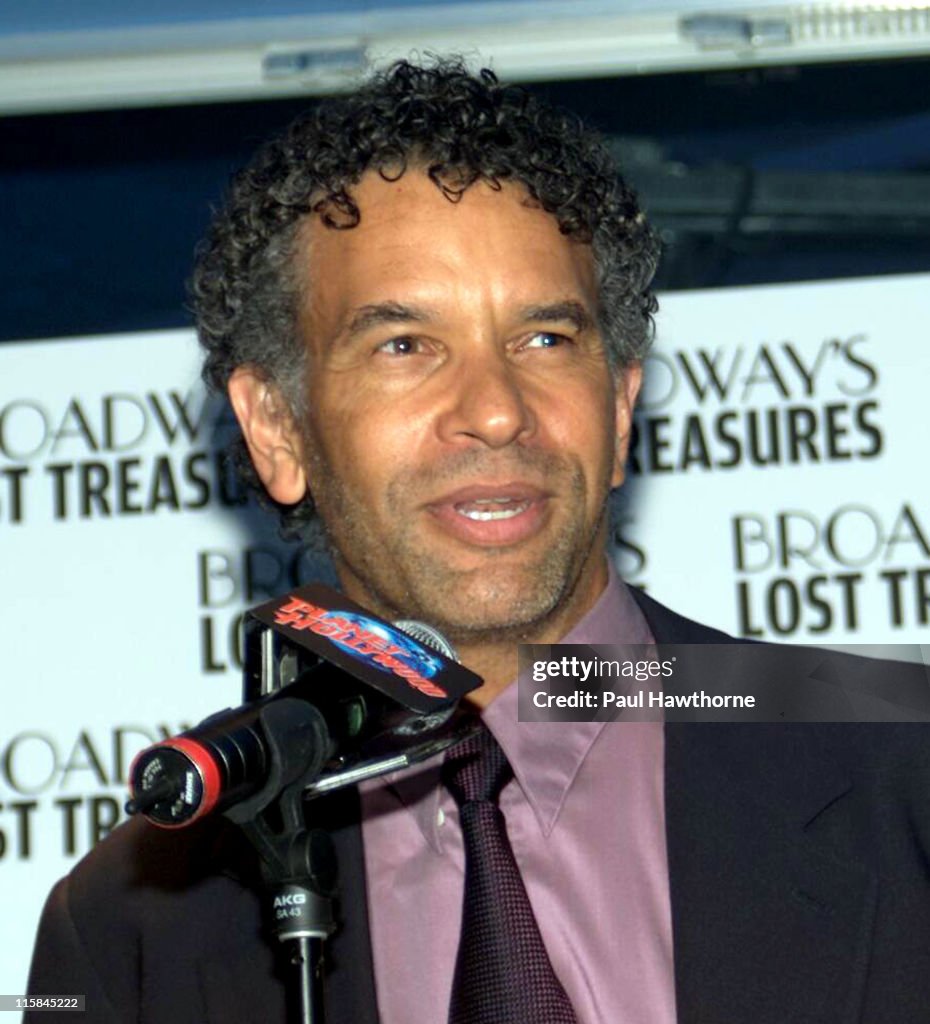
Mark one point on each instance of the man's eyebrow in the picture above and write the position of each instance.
(568, 311)
(366, 317)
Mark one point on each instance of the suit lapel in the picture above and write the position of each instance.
(765, 917)
(235, 989)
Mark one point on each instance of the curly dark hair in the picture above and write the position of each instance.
(460, 127)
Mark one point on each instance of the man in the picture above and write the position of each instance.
(428, 302)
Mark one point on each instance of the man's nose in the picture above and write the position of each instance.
(488, 403)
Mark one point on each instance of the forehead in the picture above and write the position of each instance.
(413, 244)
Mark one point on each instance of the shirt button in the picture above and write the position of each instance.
(441, 817)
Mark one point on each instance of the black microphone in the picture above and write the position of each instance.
(227, 758)
(363, 689)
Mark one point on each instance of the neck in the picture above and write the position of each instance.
(496, 658)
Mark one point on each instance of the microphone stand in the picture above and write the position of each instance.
(298, 862)
(392, 716)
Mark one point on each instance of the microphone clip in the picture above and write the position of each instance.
(406, 670)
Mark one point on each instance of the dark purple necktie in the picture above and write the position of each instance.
(502, 974)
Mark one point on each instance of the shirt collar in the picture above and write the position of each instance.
(545, 756)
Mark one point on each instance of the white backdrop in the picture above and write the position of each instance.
(779, 490)
(783, 440)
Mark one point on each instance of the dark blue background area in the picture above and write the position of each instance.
(100, 212)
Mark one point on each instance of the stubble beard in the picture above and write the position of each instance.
(394, 576)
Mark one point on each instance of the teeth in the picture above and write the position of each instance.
(485, 514)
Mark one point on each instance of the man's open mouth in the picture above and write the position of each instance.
(484, 510)
(493, 514)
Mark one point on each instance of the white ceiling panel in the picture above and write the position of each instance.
(60, 55)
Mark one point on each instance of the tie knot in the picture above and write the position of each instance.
(476, 769)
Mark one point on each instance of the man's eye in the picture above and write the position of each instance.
(403, 346)
(546, 339)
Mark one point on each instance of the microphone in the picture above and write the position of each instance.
(223, 761)
(364, 692)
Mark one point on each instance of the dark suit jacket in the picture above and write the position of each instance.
(799, 860)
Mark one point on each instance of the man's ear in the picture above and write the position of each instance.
(270, 433)
(629, 379)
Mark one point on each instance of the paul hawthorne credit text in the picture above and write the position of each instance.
(641, 671)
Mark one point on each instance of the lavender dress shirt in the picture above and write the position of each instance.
(586, 817)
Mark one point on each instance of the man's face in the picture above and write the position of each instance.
(462, 430)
